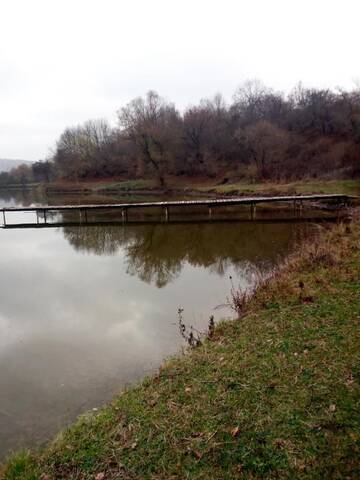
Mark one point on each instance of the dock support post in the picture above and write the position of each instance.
(4, 218)
(253, 211)
(210, 213)
(37, 217)
(298, 205)
(86, 216)
(166, 214)
(124, 215)
(44, 216)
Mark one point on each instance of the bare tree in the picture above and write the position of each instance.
(309, 132)
(83, 150)
(266, 145)
(151, 125)
(195, 134)
(43, 171)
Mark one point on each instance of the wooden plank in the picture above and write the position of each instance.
(181, 203)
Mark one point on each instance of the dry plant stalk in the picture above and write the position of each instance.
(192, 336)
(189, 334)
(239, 296)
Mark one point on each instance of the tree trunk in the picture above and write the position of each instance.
(154, 164)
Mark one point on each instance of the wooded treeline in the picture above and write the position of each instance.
(262, 135)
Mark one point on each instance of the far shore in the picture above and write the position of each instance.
(195, 187)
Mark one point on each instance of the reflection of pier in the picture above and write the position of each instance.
(42, 213)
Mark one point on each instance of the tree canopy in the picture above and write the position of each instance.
(262, 134)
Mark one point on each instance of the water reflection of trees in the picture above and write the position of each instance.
(20, 197)
(157, 252)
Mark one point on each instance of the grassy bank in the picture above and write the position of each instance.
(187, 185)
(194, 185)
(274, 394)
(200, 186)
(349, 187)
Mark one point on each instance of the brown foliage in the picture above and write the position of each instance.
(262, 134)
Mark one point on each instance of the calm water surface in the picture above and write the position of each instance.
(85, 311)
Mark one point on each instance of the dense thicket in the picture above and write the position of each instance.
(262, 134)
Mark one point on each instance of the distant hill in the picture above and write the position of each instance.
(6, 164)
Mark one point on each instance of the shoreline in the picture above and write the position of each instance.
(191, 188)
(266, 395)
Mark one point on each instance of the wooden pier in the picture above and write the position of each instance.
(296, 201)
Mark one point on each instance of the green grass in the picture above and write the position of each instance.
(127, 185)
(301, 187)
(18, 186)
(274, 394)
(350, 187)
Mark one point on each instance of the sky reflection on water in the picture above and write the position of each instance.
(87, 310)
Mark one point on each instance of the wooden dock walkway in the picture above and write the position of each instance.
(296, 200)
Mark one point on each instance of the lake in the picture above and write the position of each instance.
(88, 310)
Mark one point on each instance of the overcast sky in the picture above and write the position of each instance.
(66, 61)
